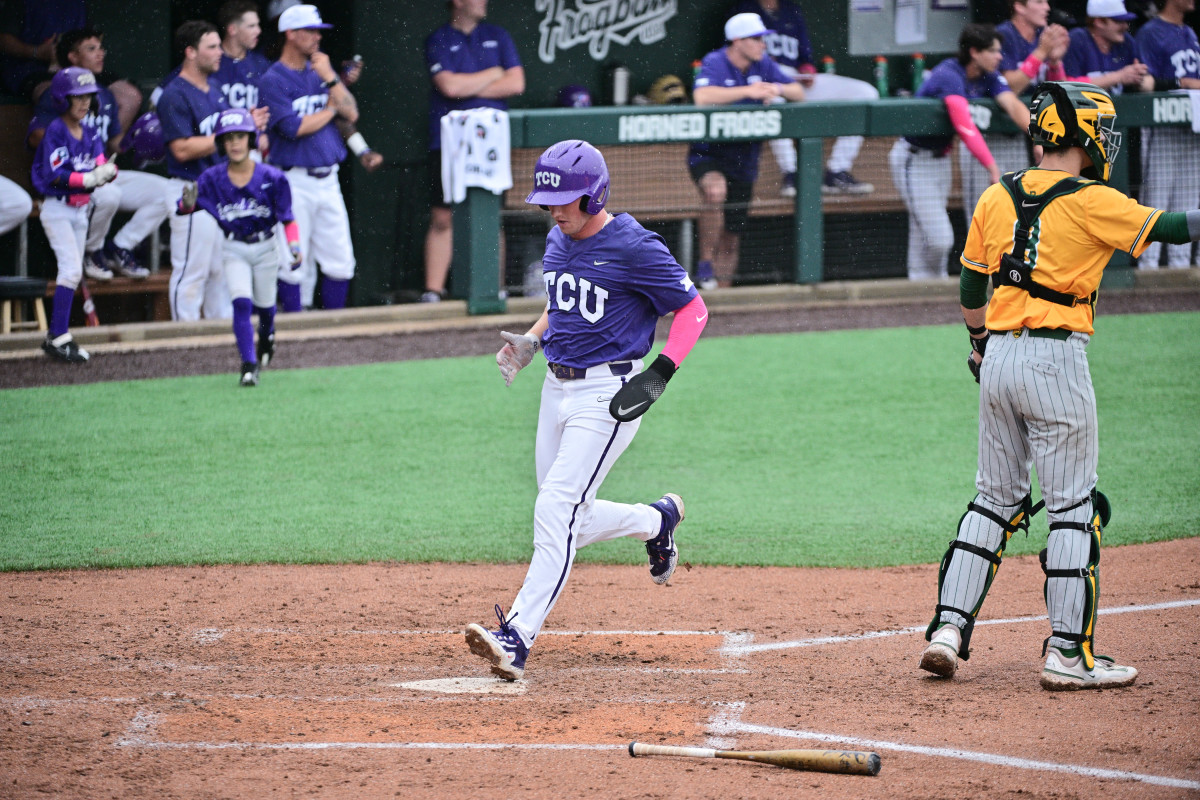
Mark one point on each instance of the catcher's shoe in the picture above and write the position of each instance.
(661, 549)
(1067, 673)
(941, 656)
(503, 648)
(249, 373)
(266, 349)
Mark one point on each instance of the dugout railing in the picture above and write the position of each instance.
(646, 150)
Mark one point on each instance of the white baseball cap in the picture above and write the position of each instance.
(301, 17)
(744, 26)
(1112, 9)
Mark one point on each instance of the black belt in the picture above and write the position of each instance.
(253, 238)
(916, 151)
(316, 172)
(1062, 334)
(565, 373)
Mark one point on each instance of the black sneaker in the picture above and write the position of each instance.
(844, 183)
(266, 349)
(64, 348)
(249, 374)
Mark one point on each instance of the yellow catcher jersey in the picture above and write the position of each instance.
(1070, 243)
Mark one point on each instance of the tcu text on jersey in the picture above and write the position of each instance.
(309, 104)
(566, 292)
(240, 95)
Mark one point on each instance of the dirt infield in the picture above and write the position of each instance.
(354, 681)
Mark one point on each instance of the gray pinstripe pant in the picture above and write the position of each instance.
(1037, 409)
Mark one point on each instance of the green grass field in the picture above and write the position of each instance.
(847, 448)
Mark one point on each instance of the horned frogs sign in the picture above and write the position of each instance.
(600, 23)
(690, 126)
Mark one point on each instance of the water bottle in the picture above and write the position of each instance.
(881, 76)
(918, 71)
(696, 70)
(828, 65)
(620, 86)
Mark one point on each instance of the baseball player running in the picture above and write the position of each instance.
(1170, 153)
(68, 165)
(608, 280)
(305, 96)
(1044, 236)
(247, 199)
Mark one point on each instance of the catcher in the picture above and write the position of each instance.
(1044, 235)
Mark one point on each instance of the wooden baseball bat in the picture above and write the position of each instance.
(846, 762)
(89, 308)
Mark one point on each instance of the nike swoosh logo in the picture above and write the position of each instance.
(701, 319)
(599, 263)
(1028, 205)
(622, 411)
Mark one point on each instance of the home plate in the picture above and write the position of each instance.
(466, 686)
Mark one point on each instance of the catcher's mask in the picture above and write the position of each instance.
(1069, 114)
(667, 90)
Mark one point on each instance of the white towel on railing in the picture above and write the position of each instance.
(475, 152)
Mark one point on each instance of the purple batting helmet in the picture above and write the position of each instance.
(568, 171)
(145, 140)
(234, 120)
(68, 83)
(574, 96)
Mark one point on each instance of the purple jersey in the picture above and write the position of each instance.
(1170, 52)
(103, 120)
(250, 209)
(738, 160)
(1015, 49)
(450, 50)
(950, 78)
(60, 154)
(1084, 59)
(239, 78)
(186, 111)
(789, 45)
(606, 293)
(291, 96)
(33, 22)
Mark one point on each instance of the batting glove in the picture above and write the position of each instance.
(978, 345)
(294, 249)
(635, 397)
(516, 354)
(187, 201)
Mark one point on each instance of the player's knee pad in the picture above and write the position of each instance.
(1002, 522)
(1096, 512)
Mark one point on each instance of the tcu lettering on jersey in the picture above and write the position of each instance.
(783, 48)
(1186, 63)
(309, 104)
(546, 179)
(208, 124)
(566, 292)
(240, 95)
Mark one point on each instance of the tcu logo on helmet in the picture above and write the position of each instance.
(85, 79)
(546, 179)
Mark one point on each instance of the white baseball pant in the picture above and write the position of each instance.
(826, 87)
(250, 270)
(324, 226)
(197, 282)
(15, 205)
(578, 442)
(1011, 155)
(133, 191)
(923, 179)
(1170, 181)
(66, 229)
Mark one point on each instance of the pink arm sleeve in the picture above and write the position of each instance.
(685, 330)
(75, 181)
(291, 232)
(960, 118)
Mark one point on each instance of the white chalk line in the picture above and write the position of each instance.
(745, 649)
(962, 755)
